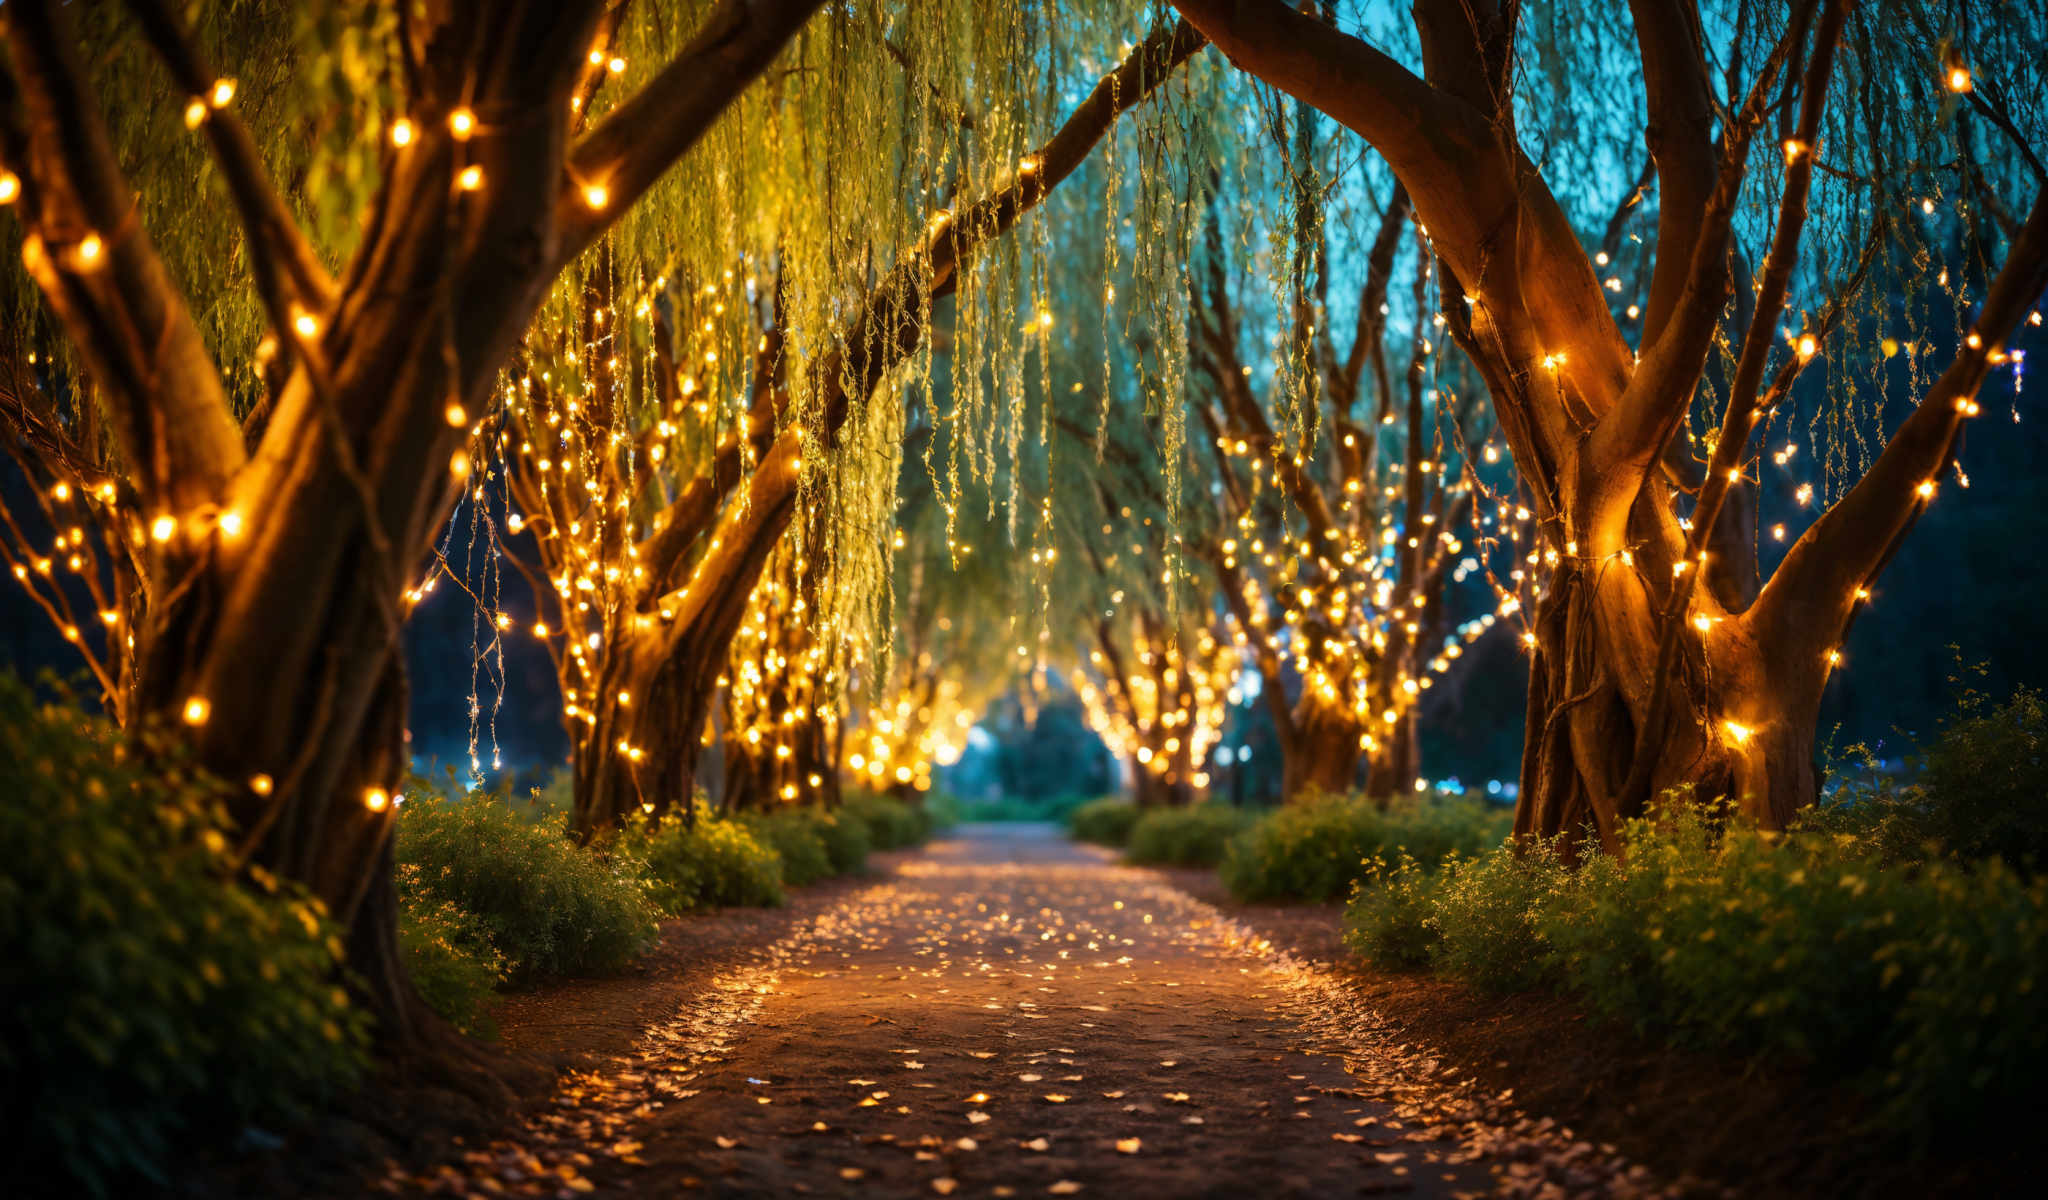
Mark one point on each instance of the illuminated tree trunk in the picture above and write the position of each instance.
(1321, 756)
(279, 651)
(1395, 761)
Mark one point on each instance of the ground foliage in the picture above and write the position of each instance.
(1106, 821)
(1195, 836)
(1916, 974)
(543, 904)
(1316, 850)
(150, 995)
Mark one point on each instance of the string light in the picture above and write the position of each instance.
(376, 799)
(401, 133)
(462, 123)
(10, 186)
(470, 178)
(197, 710)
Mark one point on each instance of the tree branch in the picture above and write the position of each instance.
(97, 267)
(1807, 606)
(635, 145)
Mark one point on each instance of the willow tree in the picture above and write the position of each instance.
(1661, 654)
(660, 526)
(953, 615)
(1348, 497)
(283, 548)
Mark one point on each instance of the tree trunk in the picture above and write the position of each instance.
(1321, 758)
(1395, 762)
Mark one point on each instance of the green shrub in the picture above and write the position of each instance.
(707, 863)
(847, 840)
(548, 906)
(1986, 783)
(1105, 822)
(452, 963)
(1981, 793)
(150, 996)
(1389, 922)
(1318, 849)
(794, 836)
(1183, 837)
(1924, 982)
(892, 824)
(1484, 918)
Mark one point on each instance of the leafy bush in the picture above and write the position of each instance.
(1484, 918)
(794, 837)
(150, 994)
(892, 824)
(1986, 783)
(1105, 822)
(707, 863)
(847, 840)
(1982, 792)
(1317, 850)
(1806, 946)
(548, 906)
(451, 962)
(1389, 921)
(1183, 837)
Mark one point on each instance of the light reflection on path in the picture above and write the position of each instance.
(1013, 1015)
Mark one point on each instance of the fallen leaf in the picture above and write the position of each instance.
(944, 1185)
(977, 1118)
(1055, 1098)
(851, 1172)
(1128, 1145)
(726, 1143)
(1038, 1144)
(966, 1144)
(1030, 1078)
(1112, 1095)
(1065, 1187)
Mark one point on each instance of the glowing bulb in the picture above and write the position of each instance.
(457, 416)
(401, 133)
(197, 710)
(231, 523)
(1739, 732)
(163, 527)
(89, 249)
(376, 799)
(1793, 149)
(10, 187)
(616, 65)
(596, 196)
(261, 784)
(462, 123)
(195, 113)
(1959, 79)
(1925, 490)
(306, 323)
(1807, 346)
(471, 178)
(223, 91)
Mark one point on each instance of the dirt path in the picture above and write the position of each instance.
(1012, 1015)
